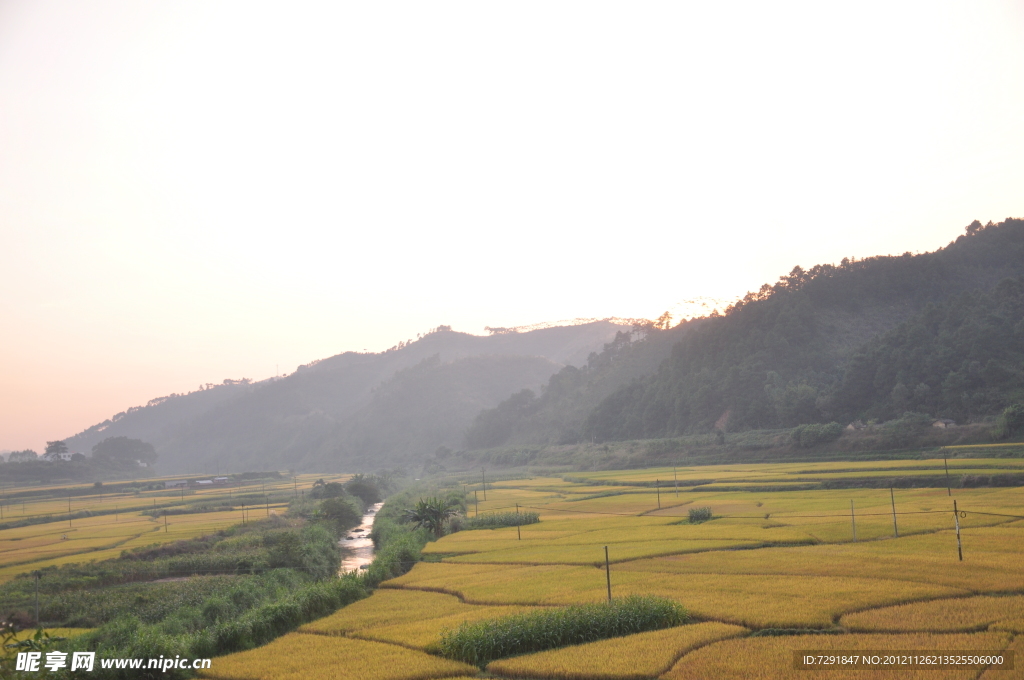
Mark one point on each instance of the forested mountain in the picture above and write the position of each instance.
(355, 410)
(939, 332)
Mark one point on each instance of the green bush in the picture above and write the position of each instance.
(481, 642)
(1010, 423)
(806, 436)
(500, 519)
(698, 515)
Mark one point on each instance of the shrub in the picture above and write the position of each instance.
(501, 519)
(481, 642)
(1011, 422)
(806, 436)
(698, 515)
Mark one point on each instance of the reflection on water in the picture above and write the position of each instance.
(356, 546)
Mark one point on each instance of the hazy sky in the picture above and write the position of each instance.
(191, 191)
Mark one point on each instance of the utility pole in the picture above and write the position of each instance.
(608, 574)
(483, 477)
(476, 504)
(959, 546)
(519, 532)
(853, 521)
(165, 521)
(895, 528)
(675, 481)
(657, 488)
(945, 462)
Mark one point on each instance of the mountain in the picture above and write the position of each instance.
(353, 411)
(940, 333)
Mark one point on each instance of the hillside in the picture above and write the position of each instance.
(833, 343)
(940, 333)
(353, 410)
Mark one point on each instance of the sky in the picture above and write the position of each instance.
(199, 190)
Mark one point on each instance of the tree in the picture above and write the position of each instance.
(323, 489)
(1011, 421)
(123, 449)
(56, 447)
(341, 511)
(433, 514)
(365, 489)
(25, 456)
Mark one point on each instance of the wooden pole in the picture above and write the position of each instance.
(657, 487)
(895, 528)
(675, 481)
(519, 532)
(476, 504)
(165, 521)
(608, 573)
(853, 521)
(949, 492)
(483, 477)
(959, 546)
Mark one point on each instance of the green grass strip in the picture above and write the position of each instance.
(481, 642)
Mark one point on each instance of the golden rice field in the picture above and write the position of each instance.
(633, 657)
(777, 557)
(771, 559)
(117, 522)
(770, 658)
(299, 656)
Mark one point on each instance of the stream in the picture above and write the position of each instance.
(356, 546)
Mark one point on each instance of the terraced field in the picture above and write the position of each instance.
(775, 571)
(52, 526)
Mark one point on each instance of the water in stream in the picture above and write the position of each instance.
(356, 546)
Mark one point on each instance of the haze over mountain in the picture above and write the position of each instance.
(938, 333)
(353, 410)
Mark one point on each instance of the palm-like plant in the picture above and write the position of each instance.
(433, 513)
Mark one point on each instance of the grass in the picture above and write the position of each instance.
(633, 657)
(481, 642)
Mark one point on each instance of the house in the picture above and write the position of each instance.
(66, 456)
(856, 425)
(943, 423)
(220, 481)
(203, 483)
(175, 484)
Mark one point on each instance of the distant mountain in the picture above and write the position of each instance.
(353, 411)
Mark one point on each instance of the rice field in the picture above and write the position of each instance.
(940, 616)
(633, 657)
(299, 656)
(784, 564)
(47, 526)
(770, 559)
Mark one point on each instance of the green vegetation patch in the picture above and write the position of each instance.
(497, 520)
(481, 642)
